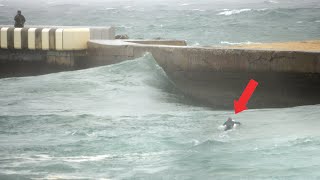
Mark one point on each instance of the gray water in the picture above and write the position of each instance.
(129, 121)
(200, 22)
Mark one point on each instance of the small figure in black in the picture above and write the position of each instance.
(19, 20)
(229, 124)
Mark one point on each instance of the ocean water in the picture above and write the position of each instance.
(129, 121)
(200, 22)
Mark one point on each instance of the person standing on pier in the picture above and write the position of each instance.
(19, 20)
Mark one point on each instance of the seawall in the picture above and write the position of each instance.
(214, 76)
(42, 49)
(217, 76)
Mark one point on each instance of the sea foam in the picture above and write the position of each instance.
(234, 11)
(228, 12)
(238, 43)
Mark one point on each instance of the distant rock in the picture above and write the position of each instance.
(122, 36)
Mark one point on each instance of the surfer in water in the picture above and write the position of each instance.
(229, 124)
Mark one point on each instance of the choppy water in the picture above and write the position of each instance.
(128, 121)
(201, 22)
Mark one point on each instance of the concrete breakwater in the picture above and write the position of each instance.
(52, 38)
(217, 76)
(211, 75)
(39, 49)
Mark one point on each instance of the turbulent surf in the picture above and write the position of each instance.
(129, 121)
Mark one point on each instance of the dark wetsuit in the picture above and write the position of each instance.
(229, 124)
(19, 21)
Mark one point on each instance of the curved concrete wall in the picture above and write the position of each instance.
(51, 38)
(188, 58)
(217, 76)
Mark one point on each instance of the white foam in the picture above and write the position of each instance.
(62, 176)
(40, 157)
(45, 157)
(238, 43)
(127, 7)
(317, 21)
(201, 10)
(125, 27)
(271, 2)
(195, 142)
(85, 158)
(234, 11)
(110, 8)
(299, 22)
(73, 133)
(221, 127)
(195, 44)
(184, 4)
(263, 9)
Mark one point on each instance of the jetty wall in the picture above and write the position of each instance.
(217, 76)
(43, 49)
(52, 38)
(188, 58)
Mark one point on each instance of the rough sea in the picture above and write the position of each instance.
(129, 121)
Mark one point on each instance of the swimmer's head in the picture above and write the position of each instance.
(229, 119)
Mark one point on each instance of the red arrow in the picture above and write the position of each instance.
(241, 104)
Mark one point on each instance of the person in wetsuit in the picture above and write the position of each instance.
(229, 124)
(19, 20)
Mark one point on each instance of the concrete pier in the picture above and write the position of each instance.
(38, 50)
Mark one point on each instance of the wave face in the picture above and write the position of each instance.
(105, 90)
(127, 121)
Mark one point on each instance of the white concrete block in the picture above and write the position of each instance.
(75, 38)
(4, 39)
(98, 33)
(32, 38)
(17, 38)
(59, 33)
(45, 38)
